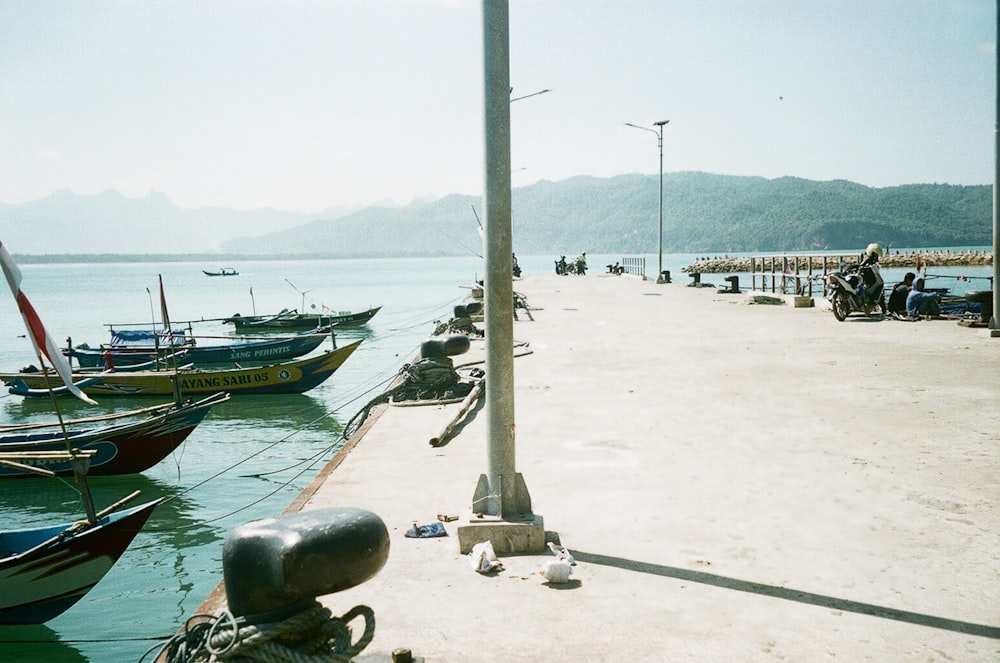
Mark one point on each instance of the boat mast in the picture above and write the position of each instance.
(79, 463)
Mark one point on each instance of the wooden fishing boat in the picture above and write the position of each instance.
(45, 570)
(223, 271)
(292, 319)
(122, 443)
(291, 377)
(139, 346)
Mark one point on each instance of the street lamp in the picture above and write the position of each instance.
(659, 136)
(533, 94)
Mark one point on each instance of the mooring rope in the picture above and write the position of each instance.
(312, 635)
(431, 380)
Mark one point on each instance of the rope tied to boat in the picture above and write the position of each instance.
(431, 380)
(312, 635)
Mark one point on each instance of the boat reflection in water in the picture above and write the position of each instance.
(37, 642)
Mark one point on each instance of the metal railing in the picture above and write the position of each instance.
(634, 265)
(795, 275)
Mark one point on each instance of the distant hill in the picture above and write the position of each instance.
(702, 213)
(109, 222)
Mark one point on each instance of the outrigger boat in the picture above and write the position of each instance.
(45, 570)
(292, 319)
(291, 377)
(122, 443)
(129, 347)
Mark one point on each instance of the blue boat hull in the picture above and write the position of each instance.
(231, 353)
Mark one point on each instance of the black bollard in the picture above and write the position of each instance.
(985, 300)
(447, 346)
(695, 279)
(275, 566)
(734, 284)
(664, 276)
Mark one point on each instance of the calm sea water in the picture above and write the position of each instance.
(251, 456)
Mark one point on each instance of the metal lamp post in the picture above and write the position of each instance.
(533, 94)
(659, 137)
(501, 504)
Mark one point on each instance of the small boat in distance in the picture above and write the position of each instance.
(222, 271)
(292, 319)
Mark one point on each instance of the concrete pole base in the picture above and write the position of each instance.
(507, 537)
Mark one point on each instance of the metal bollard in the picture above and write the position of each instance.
(448, 346)
(985, 300)
(664, 276)
(276, 565)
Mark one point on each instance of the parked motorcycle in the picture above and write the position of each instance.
(562, 267)
(857, 288)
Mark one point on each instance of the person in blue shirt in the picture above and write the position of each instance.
(919, 302)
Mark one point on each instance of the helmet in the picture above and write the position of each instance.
(874, 250)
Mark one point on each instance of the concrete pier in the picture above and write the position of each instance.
(736, 481)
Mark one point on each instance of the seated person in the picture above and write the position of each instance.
(919, 302)
(897, 298)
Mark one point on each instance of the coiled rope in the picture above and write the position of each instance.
(312, 635)
(428, 380)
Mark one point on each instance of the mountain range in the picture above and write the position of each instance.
(701, 212)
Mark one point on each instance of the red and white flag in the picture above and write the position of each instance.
(168, 334)
(36, 330)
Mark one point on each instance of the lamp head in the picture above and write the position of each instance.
(661, 123)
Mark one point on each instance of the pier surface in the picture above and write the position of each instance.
(737, 482)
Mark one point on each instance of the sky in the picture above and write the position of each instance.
(306, 105)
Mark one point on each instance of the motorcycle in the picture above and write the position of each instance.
(562, 267)
(857, 288)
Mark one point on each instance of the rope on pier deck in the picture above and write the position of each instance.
(311, 635)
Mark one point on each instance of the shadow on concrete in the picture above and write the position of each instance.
(788, 594)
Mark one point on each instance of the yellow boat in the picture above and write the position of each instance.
(293, 377)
